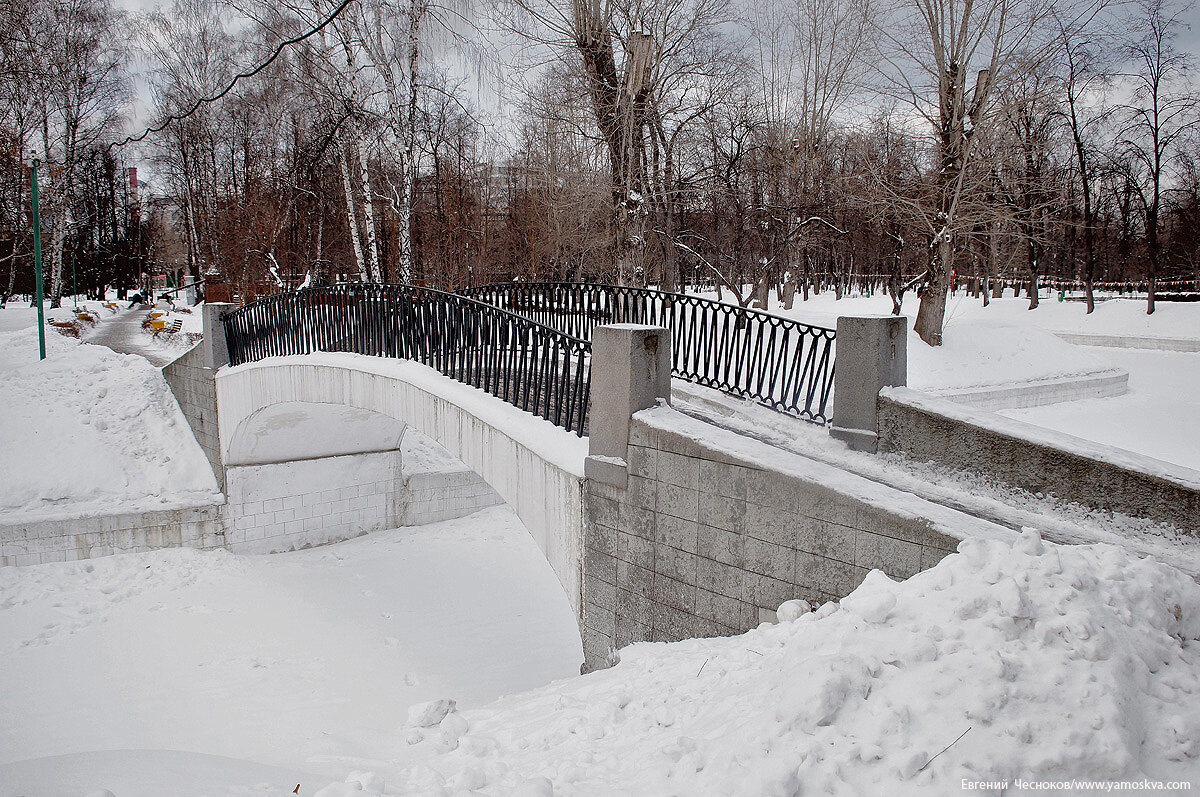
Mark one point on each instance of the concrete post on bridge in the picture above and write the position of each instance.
(872, 353)
(216, 351)
(631, 371)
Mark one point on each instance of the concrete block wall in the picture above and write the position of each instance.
(69, 539)
(436, 496)
(702, 542)
(931, 429)
(298, 504)
(195, 390)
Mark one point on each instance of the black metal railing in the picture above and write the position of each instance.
(530, 365)
(776, 361)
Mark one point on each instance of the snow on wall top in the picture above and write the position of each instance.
(557, 446)
(942, 519)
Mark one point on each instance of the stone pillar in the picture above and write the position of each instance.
(216, 352)
(631, 370)
(871, 354)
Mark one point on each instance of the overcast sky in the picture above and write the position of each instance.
(1187, 39)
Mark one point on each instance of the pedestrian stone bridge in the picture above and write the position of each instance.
(658, 525)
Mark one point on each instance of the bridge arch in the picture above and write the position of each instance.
(536, 467)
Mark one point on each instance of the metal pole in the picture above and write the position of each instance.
(37, 264)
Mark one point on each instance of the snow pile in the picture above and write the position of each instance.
(89, 431)
(984, 354)
(1049, 662)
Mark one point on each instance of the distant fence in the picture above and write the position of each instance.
(530, 365)
(776, 361)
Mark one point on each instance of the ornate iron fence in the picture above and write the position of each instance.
(528, 364)
(777, 361)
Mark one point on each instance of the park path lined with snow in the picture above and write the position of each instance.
(123, 333)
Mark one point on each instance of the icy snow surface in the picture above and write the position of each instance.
(420, 453)
(89, 431)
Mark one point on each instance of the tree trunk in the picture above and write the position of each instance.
(351, 216)
(57, 238)
(371, 252)
(1033, 274)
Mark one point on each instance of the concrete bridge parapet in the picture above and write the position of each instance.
(691, 530)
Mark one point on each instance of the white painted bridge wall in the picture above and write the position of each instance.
(506, 447)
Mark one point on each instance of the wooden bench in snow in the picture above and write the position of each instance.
(66, 327)
(162, 328)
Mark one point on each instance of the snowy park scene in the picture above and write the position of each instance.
(539, 398)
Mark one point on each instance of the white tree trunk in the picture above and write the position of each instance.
(372, 248)
(57, 237)
(351, 216)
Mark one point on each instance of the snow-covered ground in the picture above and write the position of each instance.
(1007, 343)
(1006, 661)
(1113, 316)
(1158, 417)
(185, 673)
(89, 431)
(131, 672)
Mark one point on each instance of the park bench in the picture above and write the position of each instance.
(66, 327)
(111, 306)
(162, 328)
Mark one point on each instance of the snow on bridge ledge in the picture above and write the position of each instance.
(535, 466)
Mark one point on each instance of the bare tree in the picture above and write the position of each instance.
(81, 87)
(946, 59)
(1158, 118)
(1084, 75)
(639, 61)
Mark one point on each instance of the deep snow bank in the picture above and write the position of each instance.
(89, 431)
(1056, 662)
